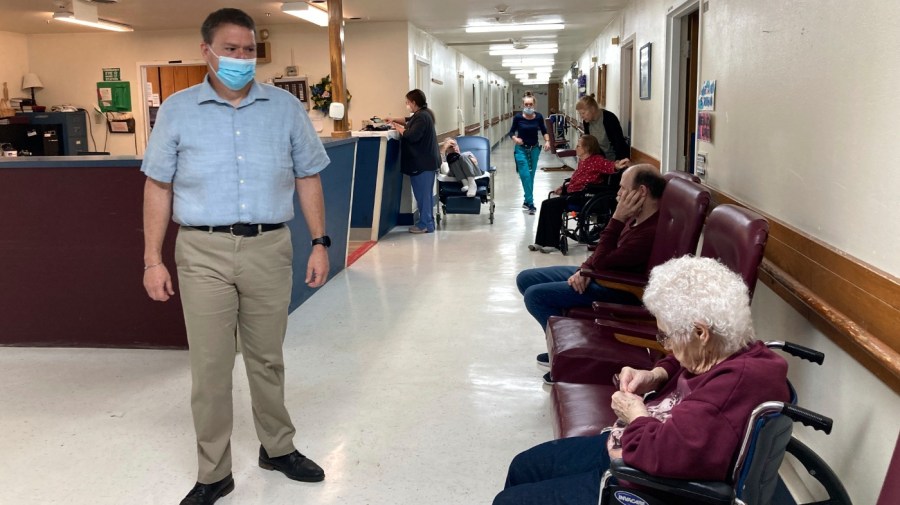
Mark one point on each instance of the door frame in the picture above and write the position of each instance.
(626, 87)
(672, 94)
(145, 98)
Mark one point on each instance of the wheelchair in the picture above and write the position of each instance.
(584, 223)
(754, 476)
(451, 198)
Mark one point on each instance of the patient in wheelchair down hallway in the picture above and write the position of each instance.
(461, 166)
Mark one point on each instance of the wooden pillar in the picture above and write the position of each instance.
(336, 49)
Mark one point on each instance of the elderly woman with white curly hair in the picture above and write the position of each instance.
(692, 426)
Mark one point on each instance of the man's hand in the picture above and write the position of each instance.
(629, 205)
(317, 267)
(578, 282)
(158, 283)
(628, 406)
(641, 382)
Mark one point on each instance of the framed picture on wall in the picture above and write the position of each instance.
(644, 68)
(296, 86)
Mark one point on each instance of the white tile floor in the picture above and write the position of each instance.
(411, 380)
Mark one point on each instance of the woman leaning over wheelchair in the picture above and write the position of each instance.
(705, 391)
(592, 166)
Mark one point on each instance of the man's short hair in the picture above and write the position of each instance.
(648, 175)
(222, 17)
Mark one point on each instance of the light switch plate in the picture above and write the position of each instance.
(291, 70)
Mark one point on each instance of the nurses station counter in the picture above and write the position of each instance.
(377, 185)
(73, 251)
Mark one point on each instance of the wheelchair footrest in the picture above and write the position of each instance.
(463, 205)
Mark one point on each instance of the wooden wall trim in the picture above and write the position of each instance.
(638, 156)
(871, 352)
(446, 135)
(472, 128)
(855, 304)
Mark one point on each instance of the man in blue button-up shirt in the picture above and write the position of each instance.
(223, 161)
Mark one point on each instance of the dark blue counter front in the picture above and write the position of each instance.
(377, 187)
(337, 184)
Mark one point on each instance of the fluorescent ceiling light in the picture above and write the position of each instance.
(511, 27)
(532, 70)
(522, 52)
(535, 83)
(69, 17)
(307, 12)
(524, 62)
(542, 45)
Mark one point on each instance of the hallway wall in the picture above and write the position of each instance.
(804, 123)
(14, 65)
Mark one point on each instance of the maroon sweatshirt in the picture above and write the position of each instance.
(701, 438)
(624, 248)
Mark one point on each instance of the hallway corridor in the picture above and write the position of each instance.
(411, 380)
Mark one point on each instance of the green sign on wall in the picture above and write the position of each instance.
(112, 74)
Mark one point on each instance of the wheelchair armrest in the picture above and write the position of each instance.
(491, 168)
(618, 311)
(568, 153)
(819, 470)
(697, 491)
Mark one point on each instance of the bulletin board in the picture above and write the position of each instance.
(296, 86)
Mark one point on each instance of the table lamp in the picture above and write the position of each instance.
(32, 81)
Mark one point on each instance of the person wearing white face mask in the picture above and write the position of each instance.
(215, 166)
(524, 132)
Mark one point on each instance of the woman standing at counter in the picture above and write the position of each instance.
(419, 156)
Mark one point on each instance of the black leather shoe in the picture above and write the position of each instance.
(207, 494)
(294, 465)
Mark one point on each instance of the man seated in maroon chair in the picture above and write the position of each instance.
(624, 245)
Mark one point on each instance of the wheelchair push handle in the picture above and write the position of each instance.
(809, 418)
(798, 351)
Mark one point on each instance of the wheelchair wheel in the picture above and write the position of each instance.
(563, 244)
(594, 217)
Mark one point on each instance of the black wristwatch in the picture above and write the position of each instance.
(324, 240)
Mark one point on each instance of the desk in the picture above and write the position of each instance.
(73, 260)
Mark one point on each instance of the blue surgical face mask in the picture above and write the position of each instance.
(528, 110)
(235, 73)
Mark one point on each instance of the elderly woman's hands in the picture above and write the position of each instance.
(628, 406)
(641, 382)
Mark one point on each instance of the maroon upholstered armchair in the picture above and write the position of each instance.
(565, 157)
(682, 211)
(735, 236)
(681, 175)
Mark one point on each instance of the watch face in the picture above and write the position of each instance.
(324, 240)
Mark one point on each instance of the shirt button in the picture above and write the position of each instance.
(243, 206)
(240, 157)
(242, 181)
(237, 132)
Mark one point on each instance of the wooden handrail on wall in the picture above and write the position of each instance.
(875, 348)
(473, 128)
(856, 305)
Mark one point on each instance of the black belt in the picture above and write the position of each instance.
(240, 229)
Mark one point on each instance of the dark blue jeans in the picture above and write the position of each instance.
(548, 294)
(560, 472)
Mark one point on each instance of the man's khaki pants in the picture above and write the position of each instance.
(228, 283)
